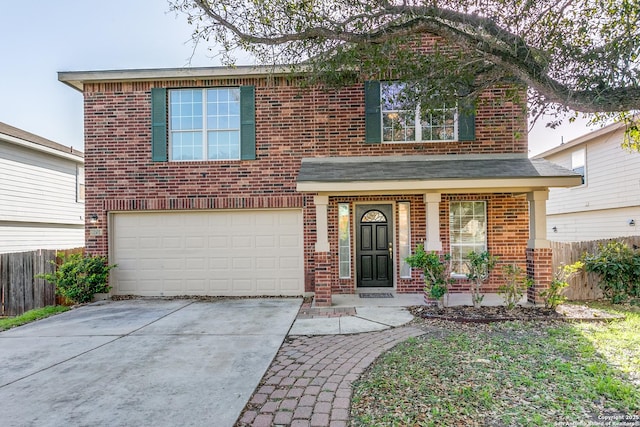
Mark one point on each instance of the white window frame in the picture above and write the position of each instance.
(417, 120)
(204, 131)
(452, 245)
(404, 250)
(80, 186)
(579, 161)
(344, 251)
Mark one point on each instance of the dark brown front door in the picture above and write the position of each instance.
(373, 245)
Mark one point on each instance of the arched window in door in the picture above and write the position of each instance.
(373, 216)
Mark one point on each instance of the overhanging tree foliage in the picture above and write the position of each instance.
(573, 55)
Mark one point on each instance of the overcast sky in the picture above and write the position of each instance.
(38, 39)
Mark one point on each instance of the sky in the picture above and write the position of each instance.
(40, 38)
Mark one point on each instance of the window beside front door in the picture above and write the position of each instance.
(344, 240)
(467, 232)
(404, 238)
(374, 250)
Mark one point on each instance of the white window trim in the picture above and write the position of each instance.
(402, 261)
(454, 274)
(584, 165)
(417, 124)
(348, 247)
(80, 184)
(204, 131)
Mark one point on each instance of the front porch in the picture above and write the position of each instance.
(370, 213)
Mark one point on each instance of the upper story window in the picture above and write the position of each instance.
(201, 124)
(204, 124)
(400, 124)
(578, 161)
(388, 120)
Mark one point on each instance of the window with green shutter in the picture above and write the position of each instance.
(204, 124)
(387, 120)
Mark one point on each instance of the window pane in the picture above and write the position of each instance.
(468, 232)
(186, 146)
(404, 238)
(344, 249)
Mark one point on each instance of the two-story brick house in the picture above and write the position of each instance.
(238, 181)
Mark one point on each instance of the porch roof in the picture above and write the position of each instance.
(444, 173)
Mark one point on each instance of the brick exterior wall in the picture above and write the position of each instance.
(291, 123)
(507, 235)
(540, 269)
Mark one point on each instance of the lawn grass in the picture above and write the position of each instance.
(506, 374)
(31, 316)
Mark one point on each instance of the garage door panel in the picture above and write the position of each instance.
(245, 252)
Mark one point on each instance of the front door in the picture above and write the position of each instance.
(374, 250)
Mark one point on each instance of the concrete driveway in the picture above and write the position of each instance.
(141, 362)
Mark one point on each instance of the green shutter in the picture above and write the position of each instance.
(466, 122)
(159, 124)
(247, 123)
(372, 115)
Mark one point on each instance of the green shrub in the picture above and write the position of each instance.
(436, 268)
(553, 297)
(516, 284)
(79, 277)
(619, 269)
(480, 266)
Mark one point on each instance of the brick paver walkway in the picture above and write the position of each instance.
(309, 382)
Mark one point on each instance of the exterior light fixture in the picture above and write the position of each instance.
(93, 218)
(632, 223)
(555, 229)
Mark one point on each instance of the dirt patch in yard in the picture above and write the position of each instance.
(467, 314)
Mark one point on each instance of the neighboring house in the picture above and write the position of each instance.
(41, 193)
(238, 181)
(607, 204)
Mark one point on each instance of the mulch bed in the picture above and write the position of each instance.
(467, 314)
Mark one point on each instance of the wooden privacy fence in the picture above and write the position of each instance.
(20, 290)
(584, 286)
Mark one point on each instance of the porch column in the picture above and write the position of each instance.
(322, 233)
(538, 219)
(539, 254)
(322, 266)
(432, 204)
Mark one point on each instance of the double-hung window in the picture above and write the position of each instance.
(467, 232)
(402, 124)
(204, 124)
(388, 118)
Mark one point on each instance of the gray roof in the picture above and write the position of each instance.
(345, 169)
(15, 132)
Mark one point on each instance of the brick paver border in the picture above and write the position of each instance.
(309, 382)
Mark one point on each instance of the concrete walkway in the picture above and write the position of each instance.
(352, 314)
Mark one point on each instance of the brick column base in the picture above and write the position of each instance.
(540, 269)
(322, 296)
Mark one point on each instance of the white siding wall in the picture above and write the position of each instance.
(16, 237)
(610, 197)
(38, 201)
(594, 225)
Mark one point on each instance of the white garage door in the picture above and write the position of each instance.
(248, 252)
